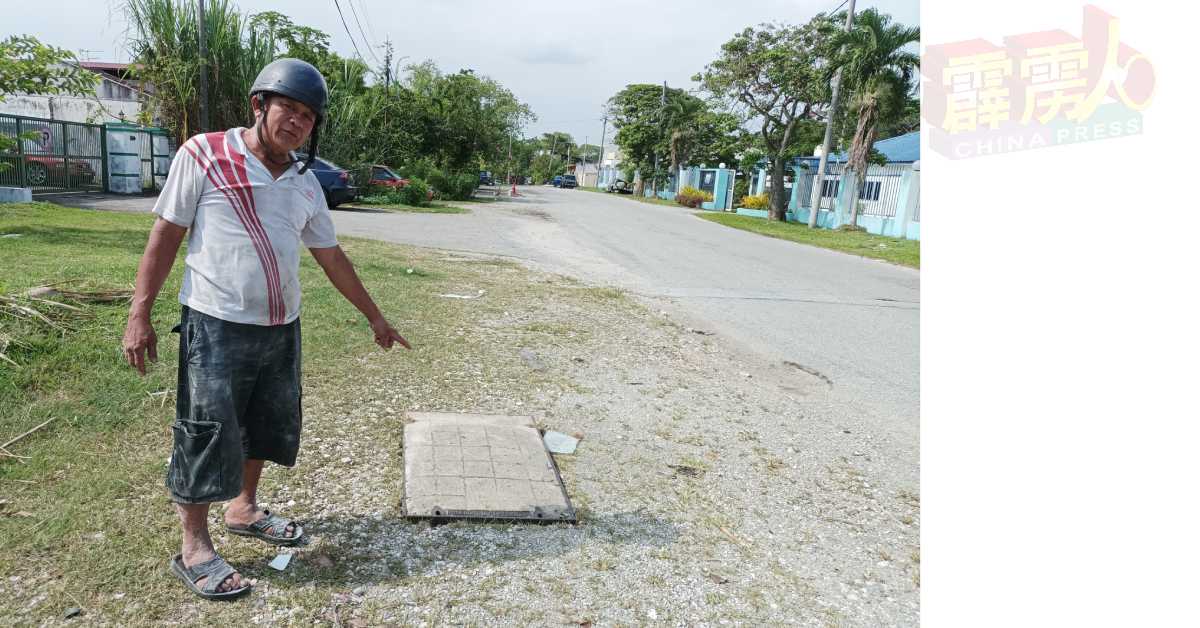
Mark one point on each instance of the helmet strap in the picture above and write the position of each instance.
(312, 146)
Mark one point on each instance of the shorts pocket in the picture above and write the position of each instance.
(197, 470)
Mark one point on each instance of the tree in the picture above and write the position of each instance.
(164, 41)
(776, 75)
(878, 71)
(638, 113)
(27, 66)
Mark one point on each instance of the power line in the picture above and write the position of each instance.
(367, 14)
(366, 41)
(835, 10)
(354, 43)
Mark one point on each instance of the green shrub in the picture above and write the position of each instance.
(454, 187)
(756, 201)
(416, 193)
(692, 197)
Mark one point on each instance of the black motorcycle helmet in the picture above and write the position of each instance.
(297, 80)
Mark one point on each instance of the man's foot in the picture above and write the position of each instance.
(189, 565)
(249, 520)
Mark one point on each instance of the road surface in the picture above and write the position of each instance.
(834, 316)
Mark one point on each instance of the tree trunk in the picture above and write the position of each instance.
(779, 199)
(860, 152)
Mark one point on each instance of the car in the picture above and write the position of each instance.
(382, 175)
(557, 182)
(568, 181)
(620, 186)
(335, 181)
(485, 177)
(48, 171)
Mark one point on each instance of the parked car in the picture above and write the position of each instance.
(620, 186)
(382, 175)
(47, 170)
(557, 182)
(569, 181)
(485, 177)
(335, 181)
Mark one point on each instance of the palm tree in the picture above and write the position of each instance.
(878, 71)
(681, 113)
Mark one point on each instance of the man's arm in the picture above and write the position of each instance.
(156, 263)
(341, 274)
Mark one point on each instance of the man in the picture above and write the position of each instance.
(248, 206)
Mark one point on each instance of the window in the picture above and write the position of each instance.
(870, 191)
(829, 189)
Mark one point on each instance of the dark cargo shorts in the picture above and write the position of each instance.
(238, 398)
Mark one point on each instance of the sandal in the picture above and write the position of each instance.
(216, 570)
(262, 529)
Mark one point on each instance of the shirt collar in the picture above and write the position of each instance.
(233, 137)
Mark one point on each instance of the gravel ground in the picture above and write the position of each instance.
(711, 489)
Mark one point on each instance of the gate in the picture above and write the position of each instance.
(138, 157)
(52, 155)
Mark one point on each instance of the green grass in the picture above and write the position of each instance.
(894, 250)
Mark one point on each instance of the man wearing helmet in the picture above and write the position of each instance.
(247, 205)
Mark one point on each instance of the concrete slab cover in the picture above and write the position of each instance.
(480, 466)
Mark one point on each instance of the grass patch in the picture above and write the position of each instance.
(894, 250)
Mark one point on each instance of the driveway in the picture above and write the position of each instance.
(837, 318)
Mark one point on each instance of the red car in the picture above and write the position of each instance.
(382, 175)
(46, 171)
(43, 170)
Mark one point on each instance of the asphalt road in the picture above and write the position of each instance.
(850, 320)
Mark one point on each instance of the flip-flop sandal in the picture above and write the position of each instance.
(216, 570)
(262, 528)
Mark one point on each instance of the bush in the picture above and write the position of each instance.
(692, 197)
(756, 201)
(454, 187)
(381, 195)
(416, 193)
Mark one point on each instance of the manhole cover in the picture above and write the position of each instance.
(480, 466)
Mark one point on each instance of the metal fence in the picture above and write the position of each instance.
(51, 155)
(879, 196)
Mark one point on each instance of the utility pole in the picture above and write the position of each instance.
(662, 107)
(203, 71)
(583, 149)
(819, 181)
(387, 63)
(600, 159)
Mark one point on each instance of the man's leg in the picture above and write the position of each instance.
(243, 510)
(197, 544)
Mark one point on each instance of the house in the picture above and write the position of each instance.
(610, 165)
(119, 97)
(586, 174)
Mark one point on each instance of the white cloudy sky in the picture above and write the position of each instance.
(562, 58)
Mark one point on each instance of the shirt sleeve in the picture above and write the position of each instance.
(318, 232)
(185, 182)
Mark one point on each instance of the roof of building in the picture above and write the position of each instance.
(902, 148)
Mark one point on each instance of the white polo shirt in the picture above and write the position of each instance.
(246, 228)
